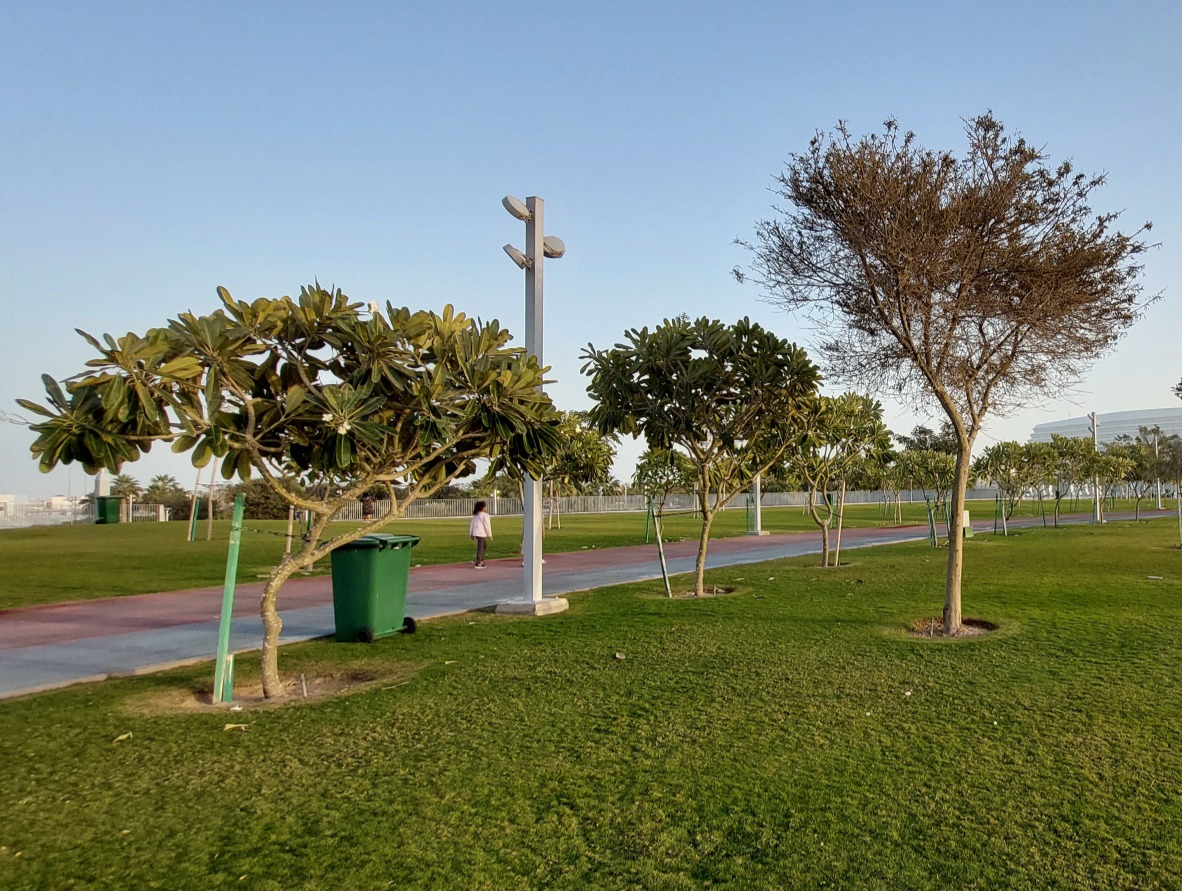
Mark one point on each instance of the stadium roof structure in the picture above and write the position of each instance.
(1113, 424)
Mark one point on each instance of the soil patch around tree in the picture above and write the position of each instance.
(933, 627)
(708, 591)
(307, 686)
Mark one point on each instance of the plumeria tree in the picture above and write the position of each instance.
(313, 390)
(935, 474)
(661, 472)
(727, 396)
(834, 436)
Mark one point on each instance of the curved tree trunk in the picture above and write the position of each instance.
(272, 625)
(952, 613)
(823, 524)
(700, 565)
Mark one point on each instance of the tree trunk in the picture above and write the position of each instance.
(952, 613)
(823, 524)
(272, 625)
(700, 565)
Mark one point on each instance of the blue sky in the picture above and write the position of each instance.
(155, 151)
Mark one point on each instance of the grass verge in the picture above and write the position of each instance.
(61, 563)
(790, 734)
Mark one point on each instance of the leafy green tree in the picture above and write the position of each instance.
(925, 439)
(974, 283)
(312, 390)
(164, 489)
(583, 461)
(124, 486)
(727, 396)
(584, 457)
(263, 502)
(935, 474)
(161, 486)
(835, 435)
(1171, 469)
(1040, 472)
(661, 472)
(1073, 461)
(1111, 469)
(1014, 468)
(1143, 473)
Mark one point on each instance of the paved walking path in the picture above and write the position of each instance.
(43, 647)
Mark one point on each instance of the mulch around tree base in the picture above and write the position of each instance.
(933, 627)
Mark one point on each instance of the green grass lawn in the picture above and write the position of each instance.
(789, 735)
(51, 564)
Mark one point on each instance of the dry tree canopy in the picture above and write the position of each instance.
(982, 281)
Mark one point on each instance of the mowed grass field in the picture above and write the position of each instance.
(52, 564)
(788, 735)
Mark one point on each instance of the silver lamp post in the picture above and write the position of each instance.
(538, 246)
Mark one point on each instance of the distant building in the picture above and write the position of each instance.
(1113, 424)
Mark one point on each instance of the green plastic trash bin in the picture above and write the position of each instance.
(369, 577)
(107, 508)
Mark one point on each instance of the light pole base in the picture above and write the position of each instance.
(546, 607)
(760, 532)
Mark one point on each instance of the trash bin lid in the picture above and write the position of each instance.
(366, 542)
(380, 541)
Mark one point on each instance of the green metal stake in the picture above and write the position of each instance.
(193, 520)
(223, 673)
(647, 517)
(932, 526)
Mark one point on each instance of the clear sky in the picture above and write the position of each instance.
(153, 151)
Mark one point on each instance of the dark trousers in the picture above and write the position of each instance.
(481, 544)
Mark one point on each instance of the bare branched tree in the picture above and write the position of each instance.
(978, 283)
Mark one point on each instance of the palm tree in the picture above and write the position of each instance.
(162, 488)
(124, 486)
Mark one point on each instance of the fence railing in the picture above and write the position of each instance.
(442, 508)
(21, 516)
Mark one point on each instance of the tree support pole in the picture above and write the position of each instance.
(223, 673)
(661, 557)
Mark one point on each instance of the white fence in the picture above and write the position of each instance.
(22, 516)
(440, 508)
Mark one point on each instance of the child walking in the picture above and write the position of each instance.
(480, 530)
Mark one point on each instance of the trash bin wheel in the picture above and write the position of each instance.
(409, 626)
(365, 635)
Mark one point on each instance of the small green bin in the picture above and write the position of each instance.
(369, 578)
(107, 508)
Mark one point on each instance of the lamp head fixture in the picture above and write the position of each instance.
(516, 207)
(517, 257)
(553, 247)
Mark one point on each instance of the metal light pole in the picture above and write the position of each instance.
(1096, 518)
(1156, 458)
(757, 498)
(538, 246)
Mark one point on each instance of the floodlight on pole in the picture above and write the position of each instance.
(553, 247)
(517, 207)
(537, 247)
(516, 256)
